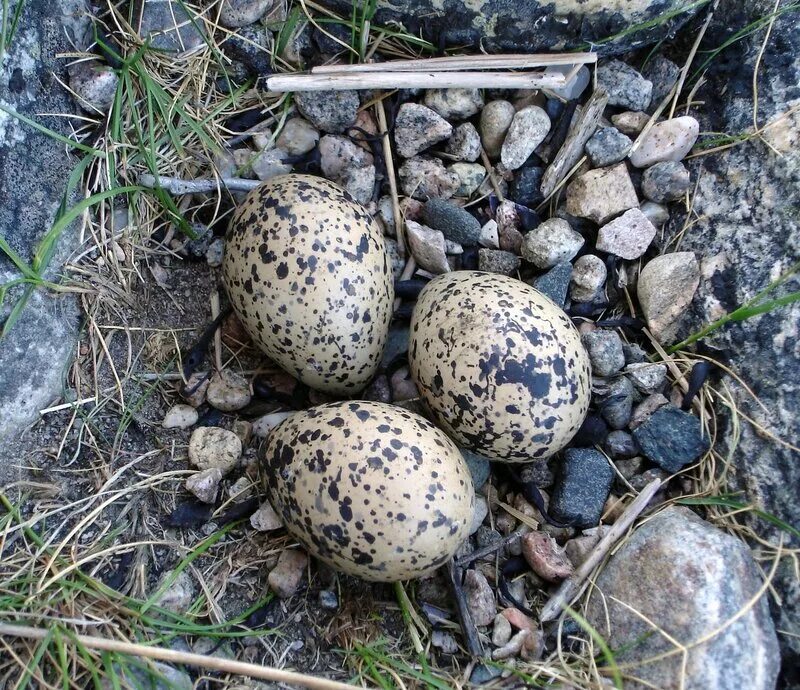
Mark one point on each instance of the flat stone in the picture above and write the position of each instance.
(605, 351)
(298, 136)
(211, 446)
(555, 282)
(425, 177)
(417, 128)
(666, 287)
(454, 104)
(204, 485)
(582, 487)
(331, 111)
(265, 519)
(665, 181)
(576, 86)
(498, 261)
(528, 129)
(238, 13)
(464, 143)
(588, 278)
(671, 438)
(180, 417)
(169, 25)
(601, 194)
(631, 122)
(427, 246)
(228, 391)
(480, 597)
(454, 222)
(617, 405)
(470, 177)
(626, 88)
(607, 146)
(627, 236)
(526, 186)
(545, 557)
(647, 377)
(285, 578)
(496, 118)
(669, 140)
(553, 242)
(680, 574)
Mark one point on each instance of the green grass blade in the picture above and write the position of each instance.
(41, 648)
(608, 655)
(16, 312)
(651, 23)
(17, 260)
(50, 133)
(729, 501)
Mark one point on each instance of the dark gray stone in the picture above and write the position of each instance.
(679, 574)
(582, 486)
(452, 221)
(605, 351)
(330, 111)
(555, 282)
(671, 438)
(634, 354)
(620, 444)
(539, 473)
(533, 26)
(526, 186)
(617, 405)
(479, 467)
(665, 181)
(625, 86)
(250, 45)
(663, 73)
(608, 145)
(328, 600)
(498, 261)
(483, 673)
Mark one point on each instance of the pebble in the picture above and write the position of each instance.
(445, 641)
(479, 467)
(631, 122)
(618, 403)
(647, 377)
(427, 246)
(656, 213)
(582, 487)
(298, 136)
(627, 236)
(417, 128)
(337, 154)
(588, 278)
(454, 104)
(496, 118)
(285, 577)
(403, 386)
(270, 163)
(480, 597)
(265, 519)
(452, 221)
(526, 186)
(240, 490)
(501, 630)
(483, 674)
(626, 87)
(180, 417)
(169, 25)
(553, 242)
(498, 261)
(194, 391)
(331, 111)
(489, 237)
(378, 390)
(237, 13)
(601, 194)
(545, 557)
(669, 140)
(179, 594)
(574, 88)
(555, 282)
(360, 183)
(579, 548)
(386, 215)
(94, 83)
(215, 252)
(620, 444)
(664, 74)
(665, 181)
(480, 511)
(666, 287)
(263, 425)
(211, 446)
(607, 146)
(605, 351)
(328, 600)
(512, 647)
(628, 467)
(647, 407)
(671, 438)
(639, 481)
(425, 177)
(204, 485)
(395, 257)
(464, 143)
(486, 536)
(528, 129)
(228, 391)
(470, 177)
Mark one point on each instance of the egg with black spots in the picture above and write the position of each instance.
(308, 275)
(500, 366)
(371, 489)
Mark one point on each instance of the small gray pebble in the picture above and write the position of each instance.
(452, 221)
(617, 404)
(605, 351)
(620, 444)
(665, 181)
(328, 600)
(608, 145)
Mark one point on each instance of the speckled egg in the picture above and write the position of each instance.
(371, 489)
(500, 366)
(308, 275)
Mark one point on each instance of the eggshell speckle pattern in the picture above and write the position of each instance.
(500, 366)
(371, 489)
(308, 275)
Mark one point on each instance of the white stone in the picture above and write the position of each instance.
(228, 391)
(528, 129)
(573, 88)
(454, 104)
(205, 484)
(211, 446)
(465, 143)
(669, 140)
(417, 128)
(489, 237)
(425, 177)
(551, 243)
(180, 417)
(501, 630)
(657, 214)
(666, 287)
(628, 236)
(601, 194)
(263, 425)
(588, 278)
(647, 377)
(237, 13)
(298, 136)
(265, 519)
(428, 247)
(270, 163)
(496, 118)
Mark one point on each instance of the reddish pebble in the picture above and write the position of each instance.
(547, 559)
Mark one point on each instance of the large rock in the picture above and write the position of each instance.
(33, 169)
(535, 25)
(695, 584)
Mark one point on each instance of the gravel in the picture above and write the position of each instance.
(669, 140)
(553, 242)
(555, 282)
(528, 129)
(331, 111)
(627, 236)
(671, 438)
(605, 351)
(417, 128)
(454, 104)
(665, 181)
(496, 118)
(665, 289)
(452, 221)
(498, 261)
(625, 86)
(601, 194)
(211, 446)
(582, 487)
(464, 143)
(588, 278)
(617, 405)
(607, 146)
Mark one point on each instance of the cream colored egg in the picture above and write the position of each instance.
(371, 489)
(500, 366)
(308, 275)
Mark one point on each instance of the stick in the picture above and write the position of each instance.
(174, 656)
(462, 62)
(490, 172)
(177, 186)
(474, 646)
(399, 230)
(67, 405)
(573, 585)
(413, 80)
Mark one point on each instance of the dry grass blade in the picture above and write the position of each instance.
(467, 62)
